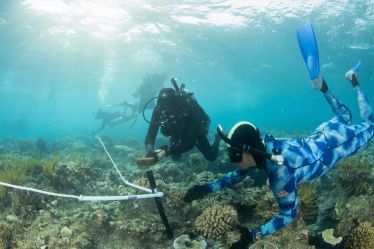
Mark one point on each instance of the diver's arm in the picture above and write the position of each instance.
(287, 202)
(150, 138)
(228, 180)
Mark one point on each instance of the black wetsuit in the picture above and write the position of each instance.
(187, 125)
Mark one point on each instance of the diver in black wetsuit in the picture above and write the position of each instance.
(114, 118)
(181, 118)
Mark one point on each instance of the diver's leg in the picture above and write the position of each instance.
(366, 111)
(210, 152)
(342, 112)
(351, 138)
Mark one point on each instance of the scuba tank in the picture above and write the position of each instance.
(169, 98)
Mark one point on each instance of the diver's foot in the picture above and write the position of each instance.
(317, 84)
(320, 84)
(352, 75)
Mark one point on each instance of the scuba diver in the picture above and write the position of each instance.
(287, 161)
(180, 117)
(291, 161)
(149, 87)
(113, 118)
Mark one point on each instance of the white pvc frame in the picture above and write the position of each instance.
(152, 193)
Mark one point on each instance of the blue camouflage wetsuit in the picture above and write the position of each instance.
(307, 158)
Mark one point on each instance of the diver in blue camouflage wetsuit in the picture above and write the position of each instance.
(296, 160)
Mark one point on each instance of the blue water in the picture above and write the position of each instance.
(240, 58)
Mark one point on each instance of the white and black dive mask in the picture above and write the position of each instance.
(236, 145)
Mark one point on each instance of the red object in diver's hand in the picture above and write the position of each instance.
(145, 161)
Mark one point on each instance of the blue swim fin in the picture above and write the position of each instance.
(309, 49)
(357, 67)
(353, 71)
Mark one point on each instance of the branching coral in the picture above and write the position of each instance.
(308, 201)
(362, 237)
(216, 221)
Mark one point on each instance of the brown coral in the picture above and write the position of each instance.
(143, 182)
(176, 198)
(362, 237)
(216, 221)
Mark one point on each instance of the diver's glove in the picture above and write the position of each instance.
(196, 192)
(247, 237)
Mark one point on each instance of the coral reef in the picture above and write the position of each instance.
(6, 238)
(197, 162)
(216, 221)
(41, 145)
(294, 236)
(184, 242)
(49, 168)
(355, 209)
(176, 198)
(72, 166)
(355, 176)
(362, 237)
(143, 182)
(328, 237)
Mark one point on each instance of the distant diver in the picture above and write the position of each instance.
(289, 161)
(114, 118)
(180, 117)
(16, 124)
(150, 85)
(148, 89)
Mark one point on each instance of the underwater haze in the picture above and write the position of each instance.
(240, 58)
